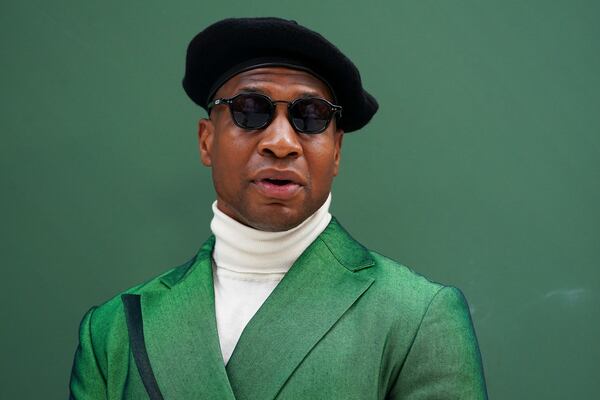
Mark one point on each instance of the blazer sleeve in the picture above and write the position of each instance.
(87, 380)
(444, 360)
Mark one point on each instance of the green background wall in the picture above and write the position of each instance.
(481, 169)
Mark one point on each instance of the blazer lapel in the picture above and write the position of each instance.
(181, 333)
(319, 288)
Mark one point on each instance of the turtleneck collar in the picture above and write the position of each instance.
(243, 249)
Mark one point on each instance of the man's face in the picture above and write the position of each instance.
(271, 179)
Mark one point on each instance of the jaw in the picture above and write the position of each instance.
(278, 217)
(266, 213)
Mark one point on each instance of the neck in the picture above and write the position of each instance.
(241, 248)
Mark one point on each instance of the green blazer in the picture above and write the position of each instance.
(344, 323)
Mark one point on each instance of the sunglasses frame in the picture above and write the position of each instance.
(333, 108)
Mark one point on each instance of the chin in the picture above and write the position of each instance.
(279, 220)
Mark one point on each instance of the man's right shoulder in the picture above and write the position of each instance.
(110, 312)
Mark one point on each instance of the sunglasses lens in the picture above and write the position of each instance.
(251, 111)
(310, 115)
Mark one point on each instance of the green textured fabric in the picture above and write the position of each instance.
(344, 323)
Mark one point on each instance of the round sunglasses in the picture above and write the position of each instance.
(254, 111)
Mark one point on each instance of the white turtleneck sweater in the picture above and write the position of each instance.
(249, 264)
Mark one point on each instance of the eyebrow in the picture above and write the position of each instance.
(253, 89)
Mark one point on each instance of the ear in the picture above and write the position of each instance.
(338, 137)
(206, 132)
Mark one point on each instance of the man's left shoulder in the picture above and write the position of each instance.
(399, 282)
(395, 287)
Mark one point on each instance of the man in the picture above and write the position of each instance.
(280, 302)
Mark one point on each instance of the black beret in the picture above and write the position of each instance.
(234, 45)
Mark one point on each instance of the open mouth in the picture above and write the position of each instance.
(278, 182)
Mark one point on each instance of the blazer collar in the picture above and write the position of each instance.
(181, 333)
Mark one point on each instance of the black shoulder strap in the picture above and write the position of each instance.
(135, 327)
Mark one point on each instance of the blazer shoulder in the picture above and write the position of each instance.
(110, 314)
(103, 333)
(401, 287)
(394, 275)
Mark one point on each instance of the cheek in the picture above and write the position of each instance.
(322, 165)
(227, 170)
(230, 158)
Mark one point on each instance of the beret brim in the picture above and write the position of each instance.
(234, 45)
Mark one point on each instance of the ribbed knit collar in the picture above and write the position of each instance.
(243, 249)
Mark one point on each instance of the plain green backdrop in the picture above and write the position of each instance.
(480, 170)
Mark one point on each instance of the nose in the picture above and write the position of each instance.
(279, 139)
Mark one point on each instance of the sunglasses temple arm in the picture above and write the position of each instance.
(338, 110)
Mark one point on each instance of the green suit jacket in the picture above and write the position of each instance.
(344, 323)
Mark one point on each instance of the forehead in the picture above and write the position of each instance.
(276, 81)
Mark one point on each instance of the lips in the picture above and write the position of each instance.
(278, 184)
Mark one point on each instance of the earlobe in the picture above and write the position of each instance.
(205, 140)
